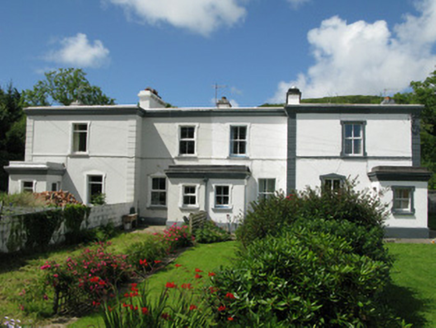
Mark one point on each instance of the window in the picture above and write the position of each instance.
(27, 186)
(238, 141)
(267, 188)
(189, 196)
(332, 182)
(403, 200)
(95, 188)
(158, 192)
(353, 138)
(80, 137)
(55, 186)
(187, 140)
(222, 196)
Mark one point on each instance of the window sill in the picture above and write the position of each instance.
(246, 157)
(222, 209)
(79, 154)
(404, 214)
(189, 208)
(187, 157)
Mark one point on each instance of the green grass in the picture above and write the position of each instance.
(206, 257)
(413, 290)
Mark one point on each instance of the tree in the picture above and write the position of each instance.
(12, 129)
(425, 93)
(65, 86)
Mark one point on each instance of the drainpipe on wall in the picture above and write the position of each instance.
(206, 198)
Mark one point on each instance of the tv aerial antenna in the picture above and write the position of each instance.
(216, 87)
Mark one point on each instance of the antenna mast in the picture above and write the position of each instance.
(216, 87)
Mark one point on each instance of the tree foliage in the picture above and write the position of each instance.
(12, 129)
(424, 92)
(64, 86)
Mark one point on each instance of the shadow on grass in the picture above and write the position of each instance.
(406, 305)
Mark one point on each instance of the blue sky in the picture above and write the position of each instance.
(256, 48)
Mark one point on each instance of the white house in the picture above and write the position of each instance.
(175, 161)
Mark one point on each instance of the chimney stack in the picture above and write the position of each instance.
(223, 103)
(293, 96)
(149, 98)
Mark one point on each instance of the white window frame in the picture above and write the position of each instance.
(229, 196)
(232, 140)
(332, 178)
(183, 194)
(73, 133)
(262, 194)
(399, 210)
(353, 138)
(58, 185)
(150, 201)
(87, 185)
(194, 139)
(23, 189)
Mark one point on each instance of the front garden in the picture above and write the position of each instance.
(314, 258)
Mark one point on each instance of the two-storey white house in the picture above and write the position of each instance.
(174, 161)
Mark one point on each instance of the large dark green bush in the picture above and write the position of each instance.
(271, 215)
(303, 277)
(210, 233)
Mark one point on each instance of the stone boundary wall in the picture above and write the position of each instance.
(99, 216)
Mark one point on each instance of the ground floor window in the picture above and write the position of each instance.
(267, 187)
(95, 189)
(332, 182)
(222, 196)
(189, 196)
(402, 200)
(159, 191)
(55, 186)
(27, 186)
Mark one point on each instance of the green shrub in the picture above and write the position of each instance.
(74, 215)
(210, 233)
(271, 215)
(303, 278)
(142, 255)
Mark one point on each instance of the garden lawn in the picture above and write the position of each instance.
(413, 291)
(17, 271)
(205, 257)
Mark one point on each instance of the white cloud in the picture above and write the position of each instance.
(78, 51)
(367, 58)
(297, 3)
(198, 16)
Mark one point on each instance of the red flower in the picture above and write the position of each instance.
(102, 283)
(170, 285)
(178, 265)
(144, 310)
(211, 274)
(230, 318)
(94, 303)
(94, 279)
(197, 276)
(165, 316)
(230, 295)
(221, 308)
(157, 261)
(187, 286)
(213, 289)
(198, 270)
(192, 307)
(143, 262)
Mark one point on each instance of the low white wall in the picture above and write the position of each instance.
(99, 216)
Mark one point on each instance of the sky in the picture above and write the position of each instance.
(254, 50)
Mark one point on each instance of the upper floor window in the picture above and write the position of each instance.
(267, 188)
(187, 140)
(158, 191)
(222, 196)
(353, 138)
(403, 200)
(238, 140)
(80, 137)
